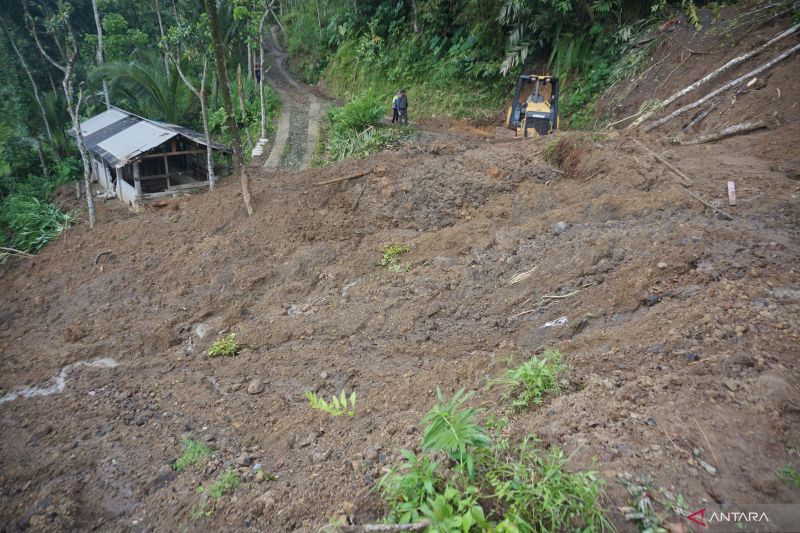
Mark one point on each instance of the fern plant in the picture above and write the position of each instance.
(337, 406)
(451, 428)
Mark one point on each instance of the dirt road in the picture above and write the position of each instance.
(302, 111)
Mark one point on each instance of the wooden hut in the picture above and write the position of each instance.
(138, 159)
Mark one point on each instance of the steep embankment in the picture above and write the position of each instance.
(680, 337)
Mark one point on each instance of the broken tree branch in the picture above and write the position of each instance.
(544, 299)
(360, 193)
(699, 118)
(780, 57)
(717, 210)
(743, 127)
(101, 254)
(685, 180)
(14, 251)
(346, 178)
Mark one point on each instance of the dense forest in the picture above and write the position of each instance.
(70, 59)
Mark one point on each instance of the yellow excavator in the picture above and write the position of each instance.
(534, 110)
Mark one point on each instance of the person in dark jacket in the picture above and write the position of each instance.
(402, 107)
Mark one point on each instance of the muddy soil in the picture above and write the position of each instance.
(681, 329)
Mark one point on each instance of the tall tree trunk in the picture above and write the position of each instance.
(69, 52)
(28, 72)
(249, 62)
(88, 168)
(157, 4)
(242, 106)
(100, 61)
(45, 170)
(212, 178)
(225, 86)
(263, 74)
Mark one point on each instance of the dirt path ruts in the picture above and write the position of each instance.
(292, 148)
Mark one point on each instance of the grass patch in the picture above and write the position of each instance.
(789, 475)
(530, 381)
(507, 488)
(194, 454)
(390, 257)
(337, 406)
(225, 347)
(225, 484)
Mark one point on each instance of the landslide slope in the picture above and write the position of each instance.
(681, 329)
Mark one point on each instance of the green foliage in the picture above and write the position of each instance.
(407, 487)
(789, 475)
(538, 494)
(225, 347)
(390, 257)
(356, 115)
(353, 130)
(225, 484)
(337, 406)
(453, 429)
(195, 454)
(528, 489)
(529, 382)
(30, 223)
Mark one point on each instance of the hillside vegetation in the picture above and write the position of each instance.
(461, 58)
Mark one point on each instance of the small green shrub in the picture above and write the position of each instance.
(194, 454)
(529, 382)
(390, 257)
(789, 475)
(453, 429)
(225, 347)
(337, 407)
(225, 484)
(526, 489)
(537, 493)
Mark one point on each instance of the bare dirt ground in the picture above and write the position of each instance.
(681, 329)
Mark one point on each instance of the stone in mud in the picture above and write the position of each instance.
(256, 386)
(560, 227)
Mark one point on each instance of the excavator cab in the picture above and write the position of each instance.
(534, 110)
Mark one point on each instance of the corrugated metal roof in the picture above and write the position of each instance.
(119, 137)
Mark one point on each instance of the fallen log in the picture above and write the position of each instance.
(710, 76)
(684, 179)
(785, 54)
(339, 180)
(743, 127)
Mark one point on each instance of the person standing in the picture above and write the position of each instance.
(395, 113)
(402, 108)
